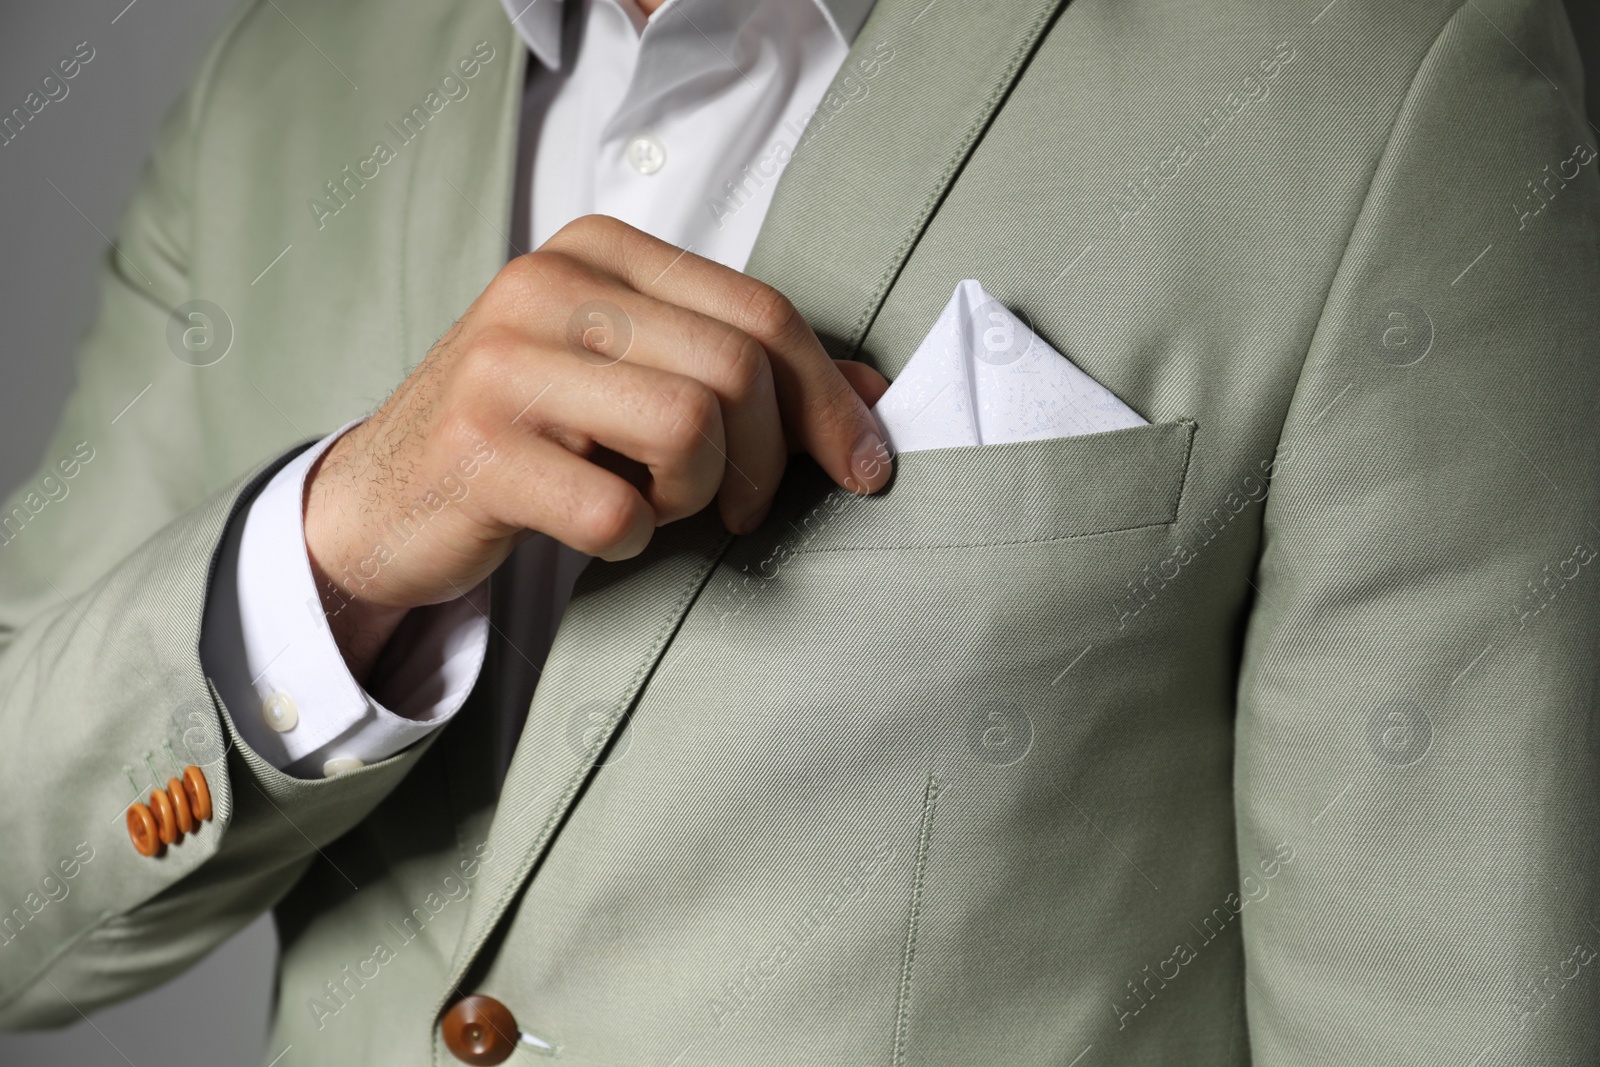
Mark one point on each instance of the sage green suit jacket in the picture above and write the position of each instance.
(1083, 751)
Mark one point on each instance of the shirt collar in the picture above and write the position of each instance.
(538, 22)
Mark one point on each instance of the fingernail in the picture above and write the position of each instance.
(868, 461)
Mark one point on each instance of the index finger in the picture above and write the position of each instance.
(821, 410)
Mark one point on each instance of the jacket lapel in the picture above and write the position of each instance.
(458, 205)
(863, 182)
(919, 88)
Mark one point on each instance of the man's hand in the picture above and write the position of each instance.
(601, 386)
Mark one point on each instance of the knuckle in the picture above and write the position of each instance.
(584, 231)
(768, 314)
(490, 361)
(607, 516)
(536, 272)
(566, 236)
(519, 272)
(602, 225)
(692, 413)
(740, 365)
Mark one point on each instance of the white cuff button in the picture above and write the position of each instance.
(341, 765)
(280, 712)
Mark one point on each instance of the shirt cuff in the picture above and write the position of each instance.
(266, 644)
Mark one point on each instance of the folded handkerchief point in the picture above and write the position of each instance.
(983, 377)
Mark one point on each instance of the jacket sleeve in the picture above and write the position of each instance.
(106, 556)
(1416, 721)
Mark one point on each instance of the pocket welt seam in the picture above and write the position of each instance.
(984, 544)
(1177, 507)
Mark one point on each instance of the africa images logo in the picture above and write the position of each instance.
(343, 188)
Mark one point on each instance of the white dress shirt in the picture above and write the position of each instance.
(679, 124)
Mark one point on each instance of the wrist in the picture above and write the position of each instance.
(360, 623)
(360, 628)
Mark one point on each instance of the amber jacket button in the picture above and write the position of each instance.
(479, 1030)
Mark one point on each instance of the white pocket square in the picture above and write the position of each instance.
(982, 377)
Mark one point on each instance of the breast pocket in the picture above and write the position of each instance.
(1028, 491)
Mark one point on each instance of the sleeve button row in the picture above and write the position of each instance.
(172, 813)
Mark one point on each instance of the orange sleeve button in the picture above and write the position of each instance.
(171, 814)
(166, 818)
(194, 783)
(180, 806)
(142, 831)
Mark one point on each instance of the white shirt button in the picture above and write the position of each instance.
(341, 765)
(280, 712)
(646, 154)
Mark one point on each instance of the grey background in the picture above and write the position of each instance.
(90, 145)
